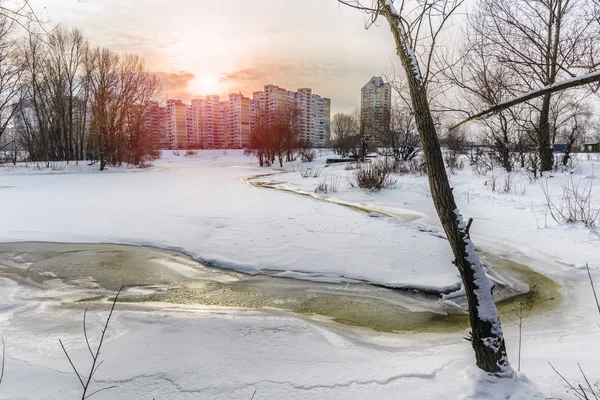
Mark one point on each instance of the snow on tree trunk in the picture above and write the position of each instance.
(486, 332)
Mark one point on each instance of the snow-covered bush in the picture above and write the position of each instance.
(328, 185)
(481, 162)
(374, 176)
(576, 205)
(309, 172)
(454, 162)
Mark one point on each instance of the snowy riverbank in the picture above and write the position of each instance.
(201, 205)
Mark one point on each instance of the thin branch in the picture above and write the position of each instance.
(593, 288)
(3, 358)
(71, 362)
(587, 381)
(96, 355)
(99, 390)
(567, 382)
(85, 334)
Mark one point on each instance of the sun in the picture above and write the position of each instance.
(205, 85)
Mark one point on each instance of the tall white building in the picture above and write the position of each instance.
(376, 105)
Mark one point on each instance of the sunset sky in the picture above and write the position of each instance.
(215, 46)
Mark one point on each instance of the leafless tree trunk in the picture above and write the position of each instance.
(11, 71)
(486, 333)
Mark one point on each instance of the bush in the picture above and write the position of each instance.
(191, 153)
(454, 162)
(481, 162)
(576, 204)
(307, 155)
(374, 177)
(309, 172)
(415, 166)
(328, 185)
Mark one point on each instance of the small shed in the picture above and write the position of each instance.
(590, 148)
(560, 148)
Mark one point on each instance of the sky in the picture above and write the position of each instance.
(201, 47)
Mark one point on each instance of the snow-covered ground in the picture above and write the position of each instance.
(517, 224)
(203, 206)
(200, 205)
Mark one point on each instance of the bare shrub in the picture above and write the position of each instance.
(330, 185)
(334, 184)
(481, 162)
(305, 172)
(492, 182)
(191, 153)
(86, 381)
(454, 162)
(521, 188)
(533, 166)
(176, 153)
(507, 182)
(374, 176)
(456, 144)
(306, 152)
(309, 172)
(418, 166)
(576, 204)
(322, 186)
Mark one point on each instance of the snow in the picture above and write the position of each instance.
(202, 206)
(409, 50)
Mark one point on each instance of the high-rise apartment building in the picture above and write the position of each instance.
(376, 105)
(309, 107)
(210, 123)
(176, 124)
(153, 122)
(327, 121)
(237, 116)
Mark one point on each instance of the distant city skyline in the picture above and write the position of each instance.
(218, 47)
(212, 123)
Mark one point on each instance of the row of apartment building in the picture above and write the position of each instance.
(212, 123)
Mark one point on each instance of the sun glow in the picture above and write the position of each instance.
(204, 85)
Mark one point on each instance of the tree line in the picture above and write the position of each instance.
(396, 136)
(62, 99)
(508, 49)
(515, 47)
(276, 137)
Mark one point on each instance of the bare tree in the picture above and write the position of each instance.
(416, 28)
(11, 70)
(570, 120)
(346, 131)
(483, 84)
(401, 141)
(276, 136)
(540, 41)
(120, 89)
